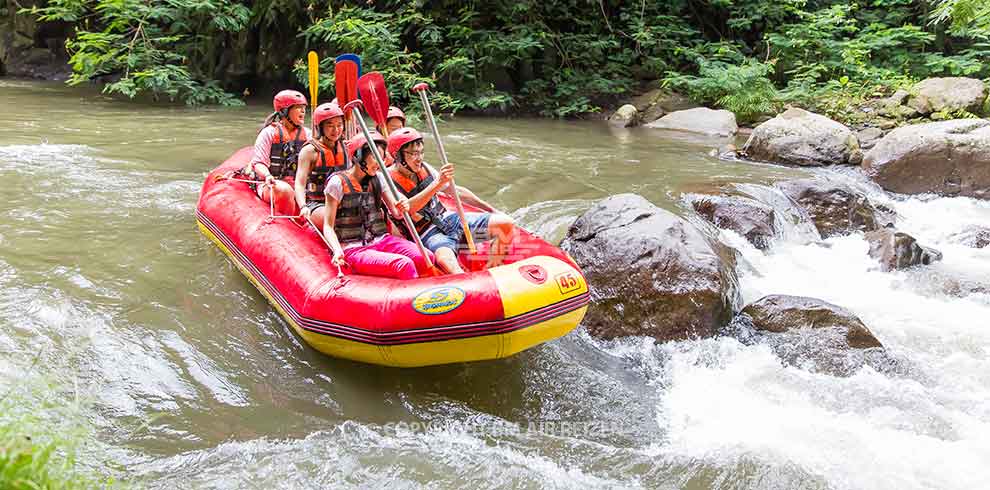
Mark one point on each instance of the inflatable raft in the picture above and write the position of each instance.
(537, 295)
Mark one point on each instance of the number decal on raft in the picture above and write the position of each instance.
(567, 282)
(437, 301)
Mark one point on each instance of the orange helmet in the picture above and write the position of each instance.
(288, 98)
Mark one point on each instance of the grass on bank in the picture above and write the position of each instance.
(43, 432)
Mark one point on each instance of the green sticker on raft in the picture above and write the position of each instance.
(437, 301)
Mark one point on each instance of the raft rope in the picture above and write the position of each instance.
(271, 202)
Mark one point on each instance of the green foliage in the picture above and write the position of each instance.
(560, 59)
(741, 87)
(42, 433)
(145, 46)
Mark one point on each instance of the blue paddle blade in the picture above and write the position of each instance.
(353, 58)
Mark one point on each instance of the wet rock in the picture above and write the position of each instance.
(950, 158)
(747, 217)
(869, 137)
(974, 236)
(799, 137)
(625, 116)
(699, 120)
(948, 95)
(896, 250)
(779, 313)
(811, 334)
(650, 272)
(835, 208)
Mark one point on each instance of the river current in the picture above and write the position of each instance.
(191, 380)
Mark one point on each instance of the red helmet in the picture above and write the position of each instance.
(395, 112)
(357, 142)
(402, 137)
(288, 98)
(323, 112)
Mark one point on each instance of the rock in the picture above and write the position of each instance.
(654, 104)
(950, 158)
(644, 101)
(699, 120)
(896, 250)
(812, 334)
(869, 137)
(780, 313)
(894, 106)
(800, 137)
(948, 94)
(836, 209)
(974, 236)
(650, 272)
(625, 116)
(747, 217)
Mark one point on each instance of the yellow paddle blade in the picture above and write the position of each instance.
(314, 77)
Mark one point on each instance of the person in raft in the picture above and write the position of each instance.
(276, 150)
(441, 230)
(355, 219)
(318, 159)
(394, 120)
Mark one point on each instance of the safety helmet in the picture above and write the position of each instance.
(356, 146)
(323, 112)
(286, 99)
(395, 112)
(402, 137)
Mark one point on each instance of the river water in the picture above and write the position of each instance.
(193, 381)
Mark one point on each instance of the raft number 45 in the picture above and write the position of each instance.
(567, 282)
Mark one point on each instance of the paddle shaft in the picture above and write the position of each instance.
(443, 161)
(314, 86)
(391, 185)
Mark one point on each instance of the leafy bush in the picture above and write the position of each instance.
(743, 88)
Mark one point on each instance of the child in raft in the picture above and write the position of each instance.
(354, 222)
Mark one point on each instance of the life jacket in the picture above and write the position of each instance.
(432, 213)
(285, 153)
(360, 212)
(322, 169)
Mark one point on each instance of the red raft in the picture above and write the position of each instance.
(537, 295)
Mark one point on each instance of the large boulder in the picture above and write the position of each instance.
(650, 272)
(951, 158)
(625, 116)
(747, 217)
(799, 137)
(811, 334)
(948, 95)
(699, 120)
(780, 313)
(896, 250)
(835, 208)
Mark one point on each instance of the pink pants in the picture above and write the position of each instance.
(389, 257)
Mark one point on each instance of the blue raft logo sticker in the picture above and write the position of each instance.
(437, 301)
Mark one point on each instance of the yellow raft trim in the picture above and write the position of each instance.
(431, 353)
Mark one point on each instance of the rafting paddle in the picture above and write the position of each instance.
(354, 108)
(346, 69)
(422, 88)
(314, 83)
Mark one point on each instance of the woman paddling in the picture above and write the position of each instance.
(354, 222)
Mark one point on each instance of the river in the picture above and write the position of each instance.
(193, 381)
